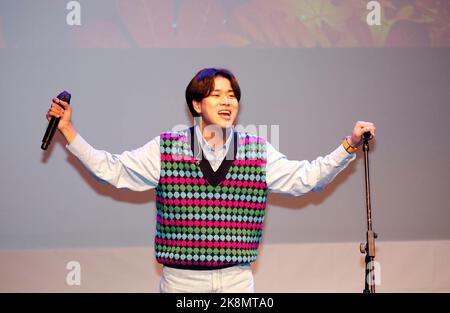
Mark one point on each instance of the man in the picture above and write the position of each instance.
(211, 185)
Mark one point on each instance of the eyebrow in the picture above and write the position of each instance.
(218, 90)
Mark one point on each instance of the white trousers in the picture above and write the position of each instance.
(237, 279)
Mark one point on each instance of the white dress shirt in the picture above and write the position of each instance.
(215, 157)
(139, 169)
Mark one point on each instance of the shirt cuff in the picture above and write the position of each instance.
(340, 154)
(78, 146)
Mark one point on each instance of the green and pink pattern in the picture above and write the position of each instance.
(206, 226)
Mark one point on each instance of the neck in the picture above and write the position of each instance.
(214, 135)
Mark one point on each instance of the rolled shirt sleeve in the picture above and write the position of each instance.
(137, 170)
(299, 177)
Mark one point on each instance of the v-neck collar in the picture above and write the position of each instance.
(214, 178)
(206, 147)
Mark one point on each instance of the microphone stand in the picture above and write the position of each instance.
(369, 247)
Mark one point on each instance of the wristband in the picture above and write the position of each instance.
(349, 148)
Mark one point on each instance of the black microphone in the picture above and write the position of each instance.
(54, 121)
(367, 136)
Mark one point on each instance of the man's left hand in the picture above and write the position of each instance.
(360, 128)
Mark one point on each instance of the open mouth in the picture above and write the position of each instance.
(225, 114)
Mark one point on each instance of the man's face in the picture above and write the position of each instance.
(220, 107)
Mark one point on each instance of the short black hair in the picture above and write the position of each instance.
(203, 84)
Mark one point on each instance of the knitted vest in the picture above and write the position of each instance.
(207, 219)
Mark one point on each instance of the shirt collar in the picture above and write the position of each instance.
(204, 144)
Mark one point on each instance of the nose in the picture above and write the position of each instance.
(225, 100)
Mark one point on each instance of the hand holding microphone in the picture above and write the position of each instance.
(362, 131)
(60, 117)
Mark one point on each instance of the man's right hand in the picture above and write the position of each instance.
(65, 113)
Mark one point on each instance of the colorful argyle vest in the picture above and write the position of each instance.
(207, 219)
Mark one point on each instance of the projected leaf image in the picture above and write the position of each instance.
(229, 23)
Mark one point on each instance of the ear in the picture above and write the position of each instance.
(197, 106)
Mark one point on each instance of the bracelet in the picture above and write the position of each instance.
(349, 148)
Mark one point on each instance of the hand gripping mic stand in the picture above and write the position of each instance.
(369, 247)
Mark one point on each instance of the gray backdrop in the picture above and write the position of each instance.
(124, 98)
